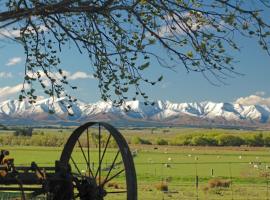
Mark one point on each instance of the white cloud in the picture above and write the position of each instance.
(14, 61)
(8, 91)
(7, 33)
(253, 100)
(260, 93)
(69, 76)
(176, 25)
(79, 75)
(6, 75)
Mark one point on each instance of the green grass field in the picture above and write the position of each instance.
(247, 168)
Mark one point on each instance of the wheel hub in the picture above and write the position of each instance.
(89, 190)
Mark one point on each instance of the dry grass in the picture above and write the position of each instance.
(113, 185)
(218, 183)
(162, 186)
(264, 174)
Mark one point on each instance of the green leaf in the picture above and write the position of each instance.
(160, 78)
(190, 54)
(144, 66)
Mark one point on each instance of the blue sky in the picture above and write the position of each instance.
(177, 86)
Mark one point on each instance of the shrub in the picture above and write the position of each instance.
(230, 140)
(24, 132)
(204, 141)
(161, 141)
(163, 186)
(255, 141)
(214, 183)
(267, 141)
(138, 140)
(181, 140)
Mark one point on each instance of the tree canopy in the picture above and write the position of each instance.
(117, 35)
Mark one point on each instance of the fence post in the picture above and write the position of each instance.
(267, 189)
(231, 179)
(197, 186)
(197, 180)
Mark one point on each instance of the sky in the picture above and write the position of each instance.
(177, 86)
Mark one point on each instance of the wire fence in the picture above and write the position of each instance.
(203, 180)
(200, 180)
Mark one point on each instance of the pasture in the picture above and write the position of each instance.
(183, 172)
(177, 167)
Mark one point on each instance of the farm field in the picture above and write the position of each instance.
(184, 172)
(177, 167)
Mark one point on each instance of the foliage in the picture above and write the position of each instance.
(255, 140)
(24, 132)
(119, 36)
(267, 141)
(161, 141)
(138, 140)
(204, 141)
(230, 140)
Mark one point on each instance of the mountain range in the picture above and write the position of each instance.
(162, 113)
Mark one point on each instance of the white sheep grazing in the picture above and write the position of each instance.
(256, 166)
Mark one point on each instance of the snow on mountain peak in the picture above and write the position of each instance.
(160, 111)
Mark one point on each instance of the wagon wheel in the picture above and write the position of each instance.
(100, 163)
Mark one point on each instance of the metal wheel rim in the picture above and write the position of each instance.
(124, 151)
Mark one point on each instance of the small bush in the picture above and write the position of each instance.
(215, 183)
(138, 140)
(267, 141)
(24, 132)
(204, 141)
(163, 186)
(255, 141)
(161, 141)
(180, 140)
(230, 140)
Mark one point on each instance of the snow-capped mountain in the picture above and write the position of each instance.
(162, 112)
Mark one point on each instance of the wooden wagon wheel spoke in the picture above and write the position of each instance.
(101, 143)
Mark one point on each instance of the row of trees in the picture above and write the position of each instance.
(28, 137)
(255, 140)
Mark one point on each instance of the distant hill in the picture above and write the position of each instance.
(163, 113)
